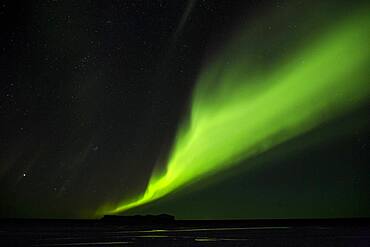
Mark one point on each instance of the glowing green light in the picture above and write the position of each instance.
(234, 115)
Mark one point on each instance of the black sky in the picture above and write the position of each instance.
(92, 93)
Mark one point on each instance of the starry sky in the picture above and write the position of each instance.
(96, 98)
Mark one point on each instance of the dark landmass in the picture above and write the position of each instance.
(139, 219)
(164, 230)
(169, 220)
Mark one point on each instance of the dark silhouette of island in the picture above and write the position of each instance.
(139, 219)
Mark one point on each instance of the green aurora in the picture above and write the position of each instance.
(237, 113)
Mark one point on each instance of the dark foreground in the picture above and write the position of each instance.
(352, 232)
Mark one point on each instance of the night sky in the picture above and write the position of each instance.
(99, 98)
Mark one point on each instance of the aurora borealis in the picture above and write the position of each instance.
(201, 109)
(244, 115)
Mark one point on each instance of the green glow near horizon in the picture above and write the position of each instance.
(234, 115)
